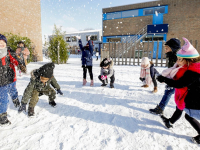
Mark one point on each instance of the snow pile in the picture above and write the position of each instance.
(95, 118)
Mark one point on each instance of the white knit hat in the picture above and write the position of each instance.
(145, 61)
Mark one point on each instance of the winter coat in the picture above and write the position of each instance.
(153, 70)
(36, 84)
(24, 53)
(111, 71)
(87, 53)
(187, 84)
(6, 68)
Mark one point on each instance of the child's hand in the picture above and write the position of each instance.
(78, 37)
(89, 37)
(160, 78)
(103, 77)
(59, 92)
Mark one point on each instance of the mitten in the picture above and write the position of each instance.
(22, 107)
(59, 92)
(103, 77)
(161, 78)
(78, 37)
(22, 68)
(89, 37)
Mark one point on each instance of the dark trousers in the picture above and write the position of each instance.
(194, 123)
(154, 81)
(97, 57)
(112, 79)
(85, 72)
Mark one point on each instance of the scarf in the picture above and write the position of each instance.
(171, 72)
(145, 73)
(3, 52)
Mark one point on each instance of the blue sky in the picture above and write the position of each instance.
(76, 15)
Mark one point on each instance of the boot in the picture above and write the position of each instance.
(196, 139)
(4, 120)
(166, 121)
(84, 81)
(104, 84)
(52, 103)
(145, 86)
(111, 85)
(31, 112)
(92, 83)
(16, 102)
(157, 110)
(155, 90)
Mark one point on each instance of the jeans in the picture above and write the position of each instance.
(3, 99)
(166, 97)
(12, 90)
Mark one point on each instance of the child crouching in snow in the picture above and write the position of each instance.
(107, 71)
(147, 74)
(41, 79)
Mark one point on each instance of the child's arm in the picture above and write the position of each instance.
(90, 47)
(56, 86)
(111, 73)
(80, 44)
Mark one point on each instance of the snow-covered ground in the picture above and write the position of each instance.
(94, 118)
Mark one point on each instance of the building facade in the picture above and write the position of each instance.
(23, 17)
(161, 20)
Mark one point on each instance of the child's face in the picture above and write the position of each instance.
(181, 61)
(2, 44)
(43, 79)
(144, 66)
(21, 45)
(167, 49)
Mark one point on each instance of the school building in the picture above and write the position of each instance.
(152, 21)
(24, 17)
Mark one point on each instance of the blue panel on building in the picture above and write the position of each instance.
(157, 29)
(158, 19)
(159, 49)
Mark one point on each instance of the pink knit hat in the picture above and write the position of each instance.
(187, 50)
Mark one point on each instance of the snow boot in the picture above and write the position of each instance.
(145, 86)
(196, 139)
(111, 85)
(104, 84)
(166, 122)
(52, 103)
(155, 90)
(4, 120)
(92, 83)
(16, 102)
(84, 81)
(157, 110)
(31, 112)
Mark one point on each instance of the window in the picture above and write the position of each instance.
(149, 11)
(160, 10)
(74, 39)
(113, 39)
(114, 15)
(93, 37)
(158, 38)
(131, 13)
(148, 39)
(68, 39)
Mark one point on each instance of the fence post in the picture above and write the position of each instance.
(118, 53)
(157, 53)
(162, 54)
(115, 53)
(122, 53)
(126, 51)
(130, 53)
(148, 50)
(134, 54)
(109, 51)
(139, 56)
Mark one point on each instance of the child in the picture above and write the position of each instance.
(22, 52)
(6, 59)
(147, 74)
(87, 53)
(41, 79)
(107, 66)
(171, 48)
(97, 55)
(187, 87)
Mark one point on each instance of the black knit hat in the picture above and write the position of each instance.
(47, 70)
(174, 44)
(105, 62)
(2, 37)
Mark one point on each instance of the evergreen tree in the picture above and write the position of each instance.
(56, 43)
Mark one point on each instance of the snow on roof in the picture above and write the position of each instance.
(98, 30)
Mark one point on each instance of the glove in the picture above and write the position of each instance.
(22, 107)
(59, 92)
(103, 77)
(22, 68)
(89, 37)
(142, 79)
(161, 78)
(78, 37)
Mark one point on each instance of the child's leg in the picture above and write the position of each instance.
(12, 90)
(34, 98)
(194, 123)
(90, 72)
(84, 72)
(155, 84)
(3, 99)
(51, 93)
(112, 80)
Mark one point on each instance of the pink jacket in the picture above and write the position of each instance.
(25, 52)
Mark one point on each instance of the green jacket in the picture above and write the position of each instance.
(36, 84)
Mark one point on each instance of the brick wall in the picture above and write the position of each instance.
(183, 18)
(24, 17)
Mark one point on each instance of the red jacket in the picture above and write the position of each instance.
(12, 71)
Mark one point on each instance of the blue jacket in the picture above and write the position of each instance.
(86, 53)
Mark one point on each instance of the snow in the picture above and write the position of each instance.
(95, 118)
